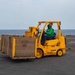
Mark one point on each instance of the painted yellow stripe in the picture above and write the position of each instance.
(13, 47)
(35, 48)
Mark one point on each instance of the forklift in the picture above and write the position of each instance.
(56, 46)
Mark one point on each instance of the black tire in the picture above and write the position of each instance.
(39, 53)
(59, 53)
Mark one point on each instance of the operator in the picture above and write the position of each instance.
(49, 34)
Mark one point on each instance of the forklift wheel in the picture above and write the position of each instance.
(59, 53)
(39, 53)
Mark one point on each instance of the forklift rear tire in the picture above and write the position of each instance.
(39, 53)
(59, 53)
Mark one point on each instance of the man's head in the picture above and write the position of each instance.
(49, 26)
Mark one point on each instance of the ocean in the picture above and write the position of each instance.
(21, 32)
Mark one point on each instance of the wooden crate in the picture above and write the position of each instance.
(5, 43)
(24, 47)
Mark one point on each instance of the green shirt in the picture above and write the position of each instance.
(50, 31)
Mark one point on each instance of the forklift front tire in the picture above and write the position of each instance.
(59, 53)
(39, 53)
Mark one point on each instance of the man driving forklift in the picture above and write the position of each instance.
(49, 34)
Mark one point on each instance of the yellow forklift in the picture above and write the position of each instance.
(56, 46)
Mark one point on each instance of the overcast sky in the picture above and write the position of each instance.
(20, 14)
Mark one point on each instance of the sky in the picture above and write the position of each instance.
(21, 14)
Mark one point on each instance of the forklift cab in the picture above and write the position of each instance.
(54, 46)
(52, 23)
